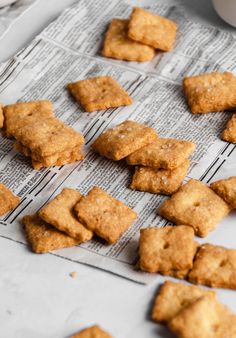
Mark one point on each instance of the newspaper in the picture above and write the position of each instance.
(10, 13)
(69, 50)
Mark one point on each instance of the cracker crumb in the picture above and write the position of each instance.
(73, 274)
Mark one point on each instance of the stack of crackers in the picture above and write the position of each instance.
(40, 135)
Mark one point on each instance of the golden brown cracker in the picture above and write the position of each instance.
(195, 204)
(214, 266)
(229, 134)
(105, 215)
(119, 46)
(99, 93)
(1, 116)
(151, 29)
(165, 249)
(159, 181)
(92, 332)
(44, 238)
(210, 92)
(59, 213)
(173, 298)
(165, 153)
(122, 140)
(226, 189)
(8, 201)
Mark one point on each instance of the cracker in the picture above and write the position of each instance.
(99, 93)
(173, 298)
(44, 238)
(1, 116)
(105, 215)
(8, 201)
(119, 46)
(226, 189)
(152, 29)
(159, 181)
(210, 92)
(92, 332)
(196, 205)
(23, 113)
(214, 266)
(205, 318)
(165, 153)
(122, 140)
(229, 134)
(168, 248)
(59, 213)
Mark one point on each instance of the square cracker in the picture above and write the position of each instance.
(210, 92)
(99, 93)
(92, 332)
(229, 134)
(8, 201)
(173, 298)
(167, 249)
(196, 205)
(205, 318)
(23, 113)
(48, 136)
(105, 215)
(214, 266)
(152, 29)
(44, 238)
(1, 116)
(165, 153)
(159, 181)
(119, 46)
(122, 140)
(226, 189)
(59, 213)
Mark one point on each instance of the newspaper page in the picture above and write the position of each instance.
(69, 50)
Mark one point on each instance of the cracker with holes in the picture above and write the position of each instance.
(205, 318)
(151, 29)
(167, 249)
(165, 153)
(1, 116)
(105, 215)
(99, 93)
(226, 189)
(210, 92)
(8, 201)
(173, 298)
(159, 181)
(122, 140)
(196, 205)
(59, 213)
(43, 237)
(92, 332)
(24, 113)
(214, 266)
(229, 134)
(118, 45)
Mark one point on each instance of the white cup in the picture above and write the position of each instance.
(226, 10)
(6, 2)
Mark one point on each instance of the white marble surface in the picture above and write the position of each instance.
(38, 297)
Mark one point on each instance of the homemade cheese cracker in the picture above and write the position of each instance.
(44, 238)
(152, 29)
(166, 153)
(118, 45)
(226, 189)
(214, 266)
(92, 332)
(167, 249)
(173, 298)
(122, 140)
(210, 92)
(59, 213)
(8, 201)
(1, 116)
(159, 181)
(99, 93)
(229, 134)
(105, 215)
(196, 205)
